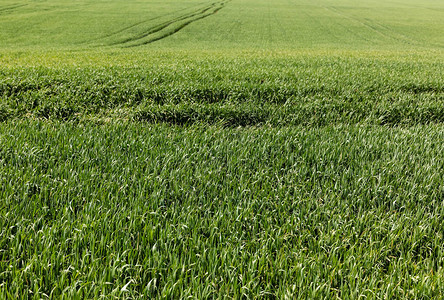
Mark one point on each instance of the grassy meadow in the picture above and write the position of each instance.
(221, 149)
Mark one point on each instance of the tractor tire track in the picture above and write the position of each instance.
(11, 8)
(356, 20)
(380, 29)
(140, 23)
(164, 25)
(178, 24)
(397, 35)
(180, 27)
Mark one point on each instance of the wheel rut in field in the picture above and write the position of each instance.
(377, 28)
(123, 30)
(10, 8)
(170, 27)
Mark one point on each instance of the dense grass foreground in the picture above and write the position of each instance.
(232, 88)
(221, 149)
(149, 211)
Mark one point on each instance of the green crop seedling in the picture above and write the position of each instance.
(287, 149)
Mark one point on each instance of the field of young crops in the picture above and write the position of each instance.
(221, 149)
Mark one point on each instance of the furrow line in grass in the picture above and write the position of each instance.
(254, 109)
(161, 26)
(381, 29)
(346, 28)
(201, 14)
(248, 114)
(11, 8)
(253, 114)
(179, 27)
(372, 27)
(140, 23)
(365, 24)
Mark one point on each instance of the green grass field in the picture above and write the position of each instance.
(222, 149)
(223, 24)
